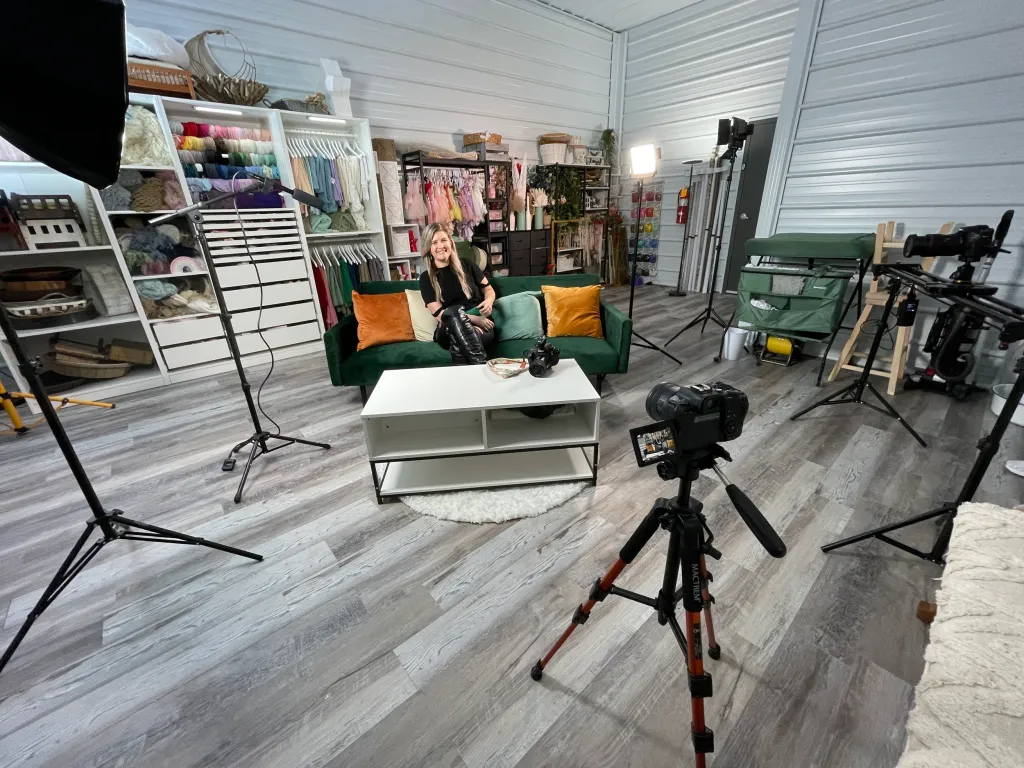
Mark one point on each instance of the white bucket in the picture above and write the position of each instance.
(552, 153)
(734, 339)
(999, 394)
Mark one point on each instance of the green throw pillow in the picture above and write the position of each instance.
(517, 316)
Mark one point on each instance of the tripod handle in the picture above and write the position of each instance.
(756, 522)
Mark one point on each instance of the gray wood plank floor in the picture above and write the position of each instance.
(372, 636)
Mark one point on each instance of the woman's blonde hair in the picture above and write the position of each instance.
(426, 239)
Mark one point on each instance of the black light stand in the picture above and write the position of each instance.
(112, 525)
(854, 392)
(709, 312)
(644, 342)
(1009, 318)
(678, 292)
(260, 437)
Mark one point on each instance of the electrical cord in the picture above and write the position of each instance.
(259, 318)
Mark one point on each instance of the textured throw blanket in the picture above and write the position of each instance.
(969, 709)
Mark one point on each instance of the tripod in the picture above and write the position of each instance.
(260, 438)
(644, 342)
(854, 392)
(689, 544)
(709, 312)
(988, 447)
(112, 525)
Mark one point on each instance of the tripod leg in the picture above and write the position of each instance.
(879, 533)
(184, 538)
(637, 541)
(300, 441)
(714, 649)
(700, 684)
(245, 472)
(830, 400)
(895, 414)
(70, 568)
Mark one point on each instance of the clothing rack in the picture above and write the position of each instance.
(339, 269)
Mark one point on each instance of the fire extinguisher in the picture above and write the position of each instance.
(683, 208)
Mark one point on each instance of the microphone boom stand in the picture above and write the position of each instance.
(260, 437)
(112, 525)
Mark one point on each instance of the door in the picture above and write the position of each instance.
(748, 198)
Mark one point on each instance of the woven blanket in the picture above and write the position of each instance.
(969, 709)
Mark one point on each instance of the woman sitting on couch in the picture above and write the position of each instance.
(450, 286)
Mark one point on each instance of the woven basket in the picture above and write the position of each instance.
(66, 365)
(214, 84)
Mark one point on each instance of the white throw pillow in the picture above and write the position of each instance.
(423, 323)
(147, 43)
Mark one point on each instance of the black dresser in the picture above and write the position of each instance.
(528, 252)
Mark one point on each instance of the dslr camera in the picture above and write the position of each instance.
(542, 358)
(970, 244)
(690, 418)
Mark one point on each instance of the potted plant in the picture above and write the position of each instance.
(539, 200)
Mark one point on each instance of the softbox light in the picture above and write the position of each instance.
(66, 87)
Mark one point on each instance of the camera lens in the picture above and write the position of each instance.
(657, 401)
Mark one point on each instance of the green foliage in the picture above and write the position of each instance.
(560, 183)
(608, 145)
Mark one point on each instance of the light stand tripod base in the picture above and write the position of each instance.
(937, 554)
(646, 343)
(259, 448)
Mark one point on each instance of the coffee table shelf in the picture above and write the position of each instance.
(438, 429)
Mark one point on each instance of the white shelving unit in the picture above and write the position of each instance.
(194, 346)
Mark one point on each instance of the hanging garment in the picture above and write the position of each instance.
(326, 306)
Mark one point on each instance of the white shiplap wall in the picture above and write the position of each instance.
(907, 110)
(684, 71)
(423, 70)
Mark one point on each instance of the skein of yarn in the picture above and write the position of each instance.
(143, 140)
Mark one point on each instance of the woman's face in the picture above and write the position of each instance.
(441, 248)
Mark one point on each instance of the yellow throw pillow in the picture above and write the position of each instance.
(383, 319)
(423, 323)
(573, 311)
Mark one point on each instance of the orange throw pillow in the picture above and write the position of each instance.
(573, 311)
(383, 319)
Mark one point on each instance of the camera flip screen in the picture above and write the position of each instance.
(653, 442)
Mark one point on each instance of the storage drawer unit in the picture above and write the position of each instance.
(528, 253)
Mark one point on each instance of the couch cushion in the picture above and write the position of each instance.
(594, 356)
(503, 286)
(367, 365)
(517, 317)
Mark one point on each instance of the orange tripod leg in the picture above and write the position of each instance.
(714, 650)
(582, 614)
(703, 739)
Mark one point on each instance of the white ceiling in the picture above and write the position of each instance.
(618, 14)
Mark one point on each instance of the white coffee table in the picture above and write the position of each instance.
(443, 429)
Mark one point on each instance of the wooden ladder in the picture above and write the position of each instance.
(885, 241)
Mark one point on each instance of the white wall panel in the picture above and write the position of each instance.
(426, 70)
(684, 71)
(912, 111)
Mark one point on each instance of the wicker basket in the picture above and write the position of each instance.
(75, 367)
(213, 83)
(161, 79)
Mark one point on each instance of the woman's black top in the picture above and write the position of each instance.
(451, 289)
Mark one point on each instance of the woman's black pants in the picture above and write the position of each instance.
(457, 334)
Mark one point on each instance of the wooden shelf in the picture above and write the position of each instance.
(402, 226)
(139, 213)
(137, 278)
(96, 322)
(68, 249)
(147, 167)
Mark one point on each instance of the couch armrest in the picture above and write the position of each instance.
(340, 344)
(618, 330)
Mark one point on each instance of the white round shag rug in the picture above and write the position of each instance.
(493, 505)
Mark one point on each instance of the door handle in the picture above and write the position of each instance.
(743, 217)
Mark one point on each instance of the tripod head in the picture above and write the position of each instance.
(686, 467)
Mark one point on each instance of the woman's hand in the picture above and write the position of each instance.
(485, 306)
(483, 323)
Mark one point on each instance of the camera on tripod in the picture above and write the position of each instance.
(969, 244)
(690, 418)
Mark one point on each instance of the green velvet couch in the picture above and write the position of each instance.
(597, 357)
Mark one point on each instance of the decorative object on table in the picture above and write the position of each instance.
(11, 238)
(313, 105)
(161, 79)
(184, 265)
(49, 312)
(494, 505)
(48, 221)
(143, 139)
(134, 352)
(214, 84)
(517, 196)
(506, 367)
(553, 148)
(71, 358)
(339, 88)
(157, 63)
(573, 311)
(542, 358)
(521, 221)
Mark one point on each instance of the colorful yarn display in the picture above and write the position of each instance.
(136, 192)
(221, 153)
(115, 198)
(148, 196)
(205, 130)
